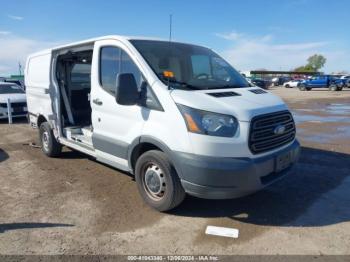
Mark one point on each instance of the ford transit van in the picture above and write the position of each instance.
(175, 115)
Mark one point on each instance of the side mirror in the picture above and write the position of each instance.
(127, 92)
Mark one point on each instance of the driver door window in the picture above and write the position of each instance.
(128, 66)
(114, 61)
(109, 67)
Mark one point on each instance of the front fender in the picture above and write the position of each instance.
(156, 142)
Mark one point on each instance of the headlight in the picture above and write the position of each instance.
(208, 123)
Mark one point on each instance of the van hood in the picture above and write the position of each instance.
(242, 103)
(14, 98)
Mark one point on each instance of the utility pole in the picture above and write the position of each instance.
(20, 68)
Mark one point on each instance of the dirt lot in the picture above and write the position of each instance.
(74, 205)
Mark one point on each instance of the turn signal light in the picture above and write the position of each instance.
(192, 126)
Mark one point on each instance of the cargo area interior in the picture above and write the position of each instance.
(73, 73)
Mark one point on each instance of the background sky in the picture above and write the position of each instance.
(270, 34)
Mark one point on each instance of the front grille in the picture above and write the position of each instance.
(23, 104)
(19, 113)
(263, 131)
(14, 105)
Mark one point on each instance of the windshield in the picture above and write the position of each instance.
(10, 89)
(188, 66)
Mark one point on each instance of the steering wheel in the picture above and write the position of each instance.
(202, 76)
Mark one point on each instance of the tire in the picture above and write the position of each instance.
(48, 142)
(287, 86)
(339, 88)
(333, 87)
(166, 191)
(302, 87)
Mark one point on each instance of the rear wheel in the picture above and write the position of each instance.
(49, 144)
(333, 87)
(287, 86)
(157, 181)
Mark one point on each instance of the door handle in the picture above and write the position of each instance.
(97, 101)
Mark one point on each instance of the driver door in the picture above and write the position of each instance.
(115, 126)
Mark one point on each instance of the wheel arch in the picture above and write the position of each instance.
(41, 119)
(143, 144)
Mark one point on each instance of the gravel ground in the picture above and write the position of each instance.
(75, 205)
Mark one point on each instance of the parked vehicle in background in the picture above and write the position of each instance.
(322, 81)
(275, 81)
(17, 82)
(260, 83)
(278, 81)
(177, 116)
(346, 80)
(291, 83)
(299, 77)
(17, 99)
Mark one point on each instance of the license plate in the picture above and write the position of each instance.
(283, 161)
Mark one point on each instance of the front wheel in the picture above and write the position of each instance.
(157, 181)
(49, 144)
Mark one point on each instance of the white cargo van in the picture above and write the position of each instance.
(175, 115)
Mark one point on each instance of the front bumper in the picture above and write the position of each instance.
(222, 178)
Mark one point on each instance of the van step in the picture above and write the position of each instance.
(82, 139)
(87, 131)
(74, 130)
(81, 135)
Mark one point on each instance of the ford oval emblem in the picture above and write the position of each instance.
(279, 130)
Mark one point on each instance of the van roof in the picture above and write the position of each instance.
(116, 37)
(92, 40)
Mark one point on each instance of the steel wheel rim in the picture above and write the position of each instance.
(153, 181)
(45, 140)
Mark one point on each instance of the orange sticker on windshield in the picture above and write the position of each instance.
(169, 74)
